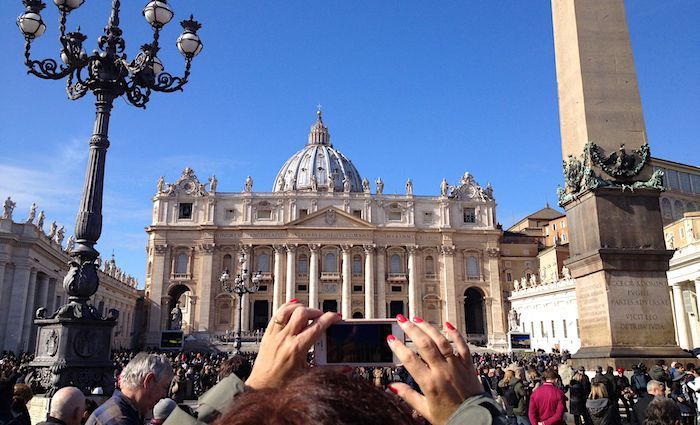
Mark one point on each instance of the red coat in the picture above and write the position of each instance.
(547, 405)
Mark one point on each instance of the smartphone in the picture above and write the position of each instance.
(358, 342)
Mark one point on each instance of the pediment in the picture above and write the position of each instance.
(331, 217)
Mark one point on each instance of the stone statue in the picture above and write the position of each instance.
(280, 185)
(331, 183)
(9, 207)
(689, 231)
(248, 187)
(40, 221)
(444, 187)
(160, 186)
(70, 243)
(409, 187)
(516, 284)
(365, 185)
(213, 182)
(176, 318)
(314, 183)
(565, 272)
(533, 280)
(346, 184)
(32, 213)
(52, 230)
(513, 320)
(523, 283)
(60, 235)
(380, 186)
(489, 191)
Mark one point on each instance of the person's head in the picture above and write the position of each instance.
(162, 410)
(656, 388)
(599, 369)
(68, 405)
(146, 379)
(520, 373)
(661, 362)
(598, 391)
(23, 393)
(620, 371)
(663, 412)
(582, 369)
(319, 397)
(550, 376)
(238, 365)
(508, 376)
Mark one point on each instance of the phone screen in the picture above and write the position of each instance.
(358, 343)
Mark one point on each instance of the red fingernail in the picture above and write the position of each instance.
(401, 318)
(449, 326)
(293, 300)
(390, 338)
(393, 390)
(417, 319)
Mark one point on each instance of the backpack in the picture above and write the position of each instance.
(639, 382)
(511, 397)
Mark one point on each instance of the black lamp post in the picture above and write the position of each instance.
(108, 74)
(242, 284)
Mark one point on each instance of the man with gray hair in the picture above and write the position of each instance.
(144, 381)
(655, 389)
(67, 407)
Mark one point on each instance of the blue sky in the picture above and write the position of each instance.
(409, 89)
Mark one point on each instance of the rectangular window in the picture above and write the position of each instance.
(303, 212)
(671, 179)
(394, 216)
(554, 335)
(428, 217)
(685, 182)
(509, 277)
(262, 288)
(356, 288)
(469, 215)
(185, 210)
(264, 214)
(542, 328)
(532, 328)
(563, 224)
(396, 288)
(357, 213)
(302, 288)
(563, 237)
(696, 183)
(554, 226)
(566, 332)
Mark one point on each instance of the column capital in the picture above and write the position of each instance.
(447, 250)
(346, 248)
(369, 248)
(291, 248)
(381, 249)
(278, 248)
(314, 247)
(411, 249)
(246, 249)
(206, 248)
(160, 249)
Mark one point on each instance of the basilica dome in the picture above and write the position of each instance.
(318, 167)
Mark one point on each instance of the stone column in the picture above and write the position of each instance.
(277, 283)
(313, 276)
(346, 293)
(369, 282)
(616, 243)
(207, 273)
(158, 282)
(2, 283)
(681, 318)
(447, 280)
(414, 301)
(29, 311)
(24, 276)
(498, 330)
(193, 313)
(381, 282)
(291, 272)
(246, 250)
(43, 292)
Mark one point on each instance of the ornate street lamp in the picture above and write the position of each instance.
(108, 74)
(242, 284)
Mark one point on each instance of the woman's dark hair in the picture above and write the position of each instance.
(238, 365)
(662, 412)
(319, 397)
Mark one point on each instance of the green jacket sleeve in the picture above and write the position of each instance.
(212, 404)
(474, 411)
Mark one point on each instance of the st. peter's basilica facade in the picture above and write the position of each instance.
(325, 237)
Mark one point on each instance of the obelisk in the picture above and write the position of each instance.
(617, 251)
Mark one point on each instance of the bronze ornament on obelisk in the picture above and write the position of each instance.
(611, 195)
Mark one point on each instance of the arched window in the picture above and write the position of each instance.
(678, 209)
(689, 207)
(263, 263)
(666, 208)
(472, 267)
(227, 262)
(330, 264)
(302, 264)
(181, 264)
(395, 264)
(356, 265)
(429, 266)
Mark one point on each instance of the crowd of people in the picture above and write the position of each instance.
(441, 383)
